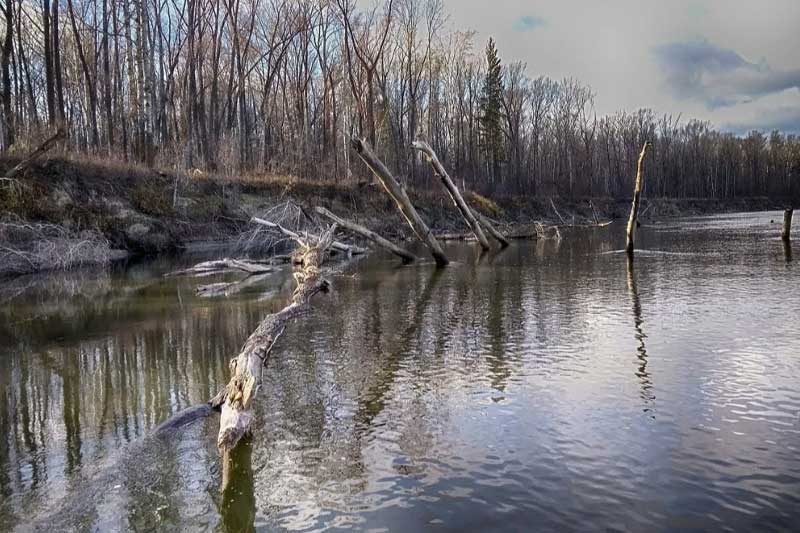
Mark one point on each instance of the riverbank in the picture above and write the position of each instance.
(65, 212)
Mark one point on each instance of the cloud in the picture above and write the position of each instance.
(528, 23)
(782, 118)
(719, 77)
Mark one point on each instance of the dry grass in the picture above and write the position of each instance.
(33, 247)
(485, 205)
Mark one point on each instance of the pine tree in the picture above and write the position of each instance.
(491, 111)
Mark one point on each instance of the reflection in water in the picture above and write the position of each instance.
(644, 376)
(787, 250)
(238, 505)
(488, 394)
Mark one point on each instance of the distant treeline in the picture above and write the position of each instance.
(278, 86)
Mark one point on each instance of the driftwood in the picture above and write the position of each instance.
(553, 205)
(454, 193)
(41, 150)
(637, 193)
(463, 236)
(786, 232)
(208, 268)
(335, 245)
(398, 194)
(487, 224)
(236, 400)
(405, 255)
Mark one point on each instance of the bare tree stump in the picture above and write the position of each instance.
(455, 195)
(398, 194)
(405, 255)
(786, 232)
(637, 193)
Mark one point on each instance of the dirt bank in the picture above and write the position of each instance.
(144, 212)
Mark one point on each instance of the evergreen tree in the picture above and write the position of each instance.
(491, 111)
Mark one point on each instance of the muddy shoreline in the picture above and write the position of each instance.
(138, 212)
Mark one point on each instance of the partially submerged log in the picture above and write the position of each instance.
(486, 223)
(454, 193)
(208, 268)
(786, 232)
(358, 229)
(637, 193)
(399, 195)
(236, 400)
(335, 245)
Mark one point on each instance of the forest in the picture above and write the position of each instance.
(277, 87)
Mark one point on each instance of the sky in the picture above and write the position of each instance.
(735, 63)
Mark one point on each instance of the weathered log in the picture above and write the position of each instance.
(786, 232)
(454, 193)
(219, 266)
(637, 193)
(358, 229)
(553, 205)
(335, 245)
(41, 150)
(236, 400)
(486, 223)
(398, 194)
(465, 236)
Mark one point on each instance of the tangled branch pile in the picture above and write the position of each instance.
(32, 247)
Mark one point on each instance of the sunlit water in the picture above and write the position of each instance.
(547, 387)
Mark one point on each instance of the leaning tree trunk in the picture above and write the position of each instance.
(398, 193)
(358, 229)
(637, 193)
(455, 195)
(237, 399)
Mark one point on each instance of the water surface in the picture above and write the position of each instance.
(548, 387)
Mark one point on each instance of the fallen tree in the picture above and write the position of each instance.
(637, 193)
(452, 190)
(358, 229)
(399, 195)
(236, 400)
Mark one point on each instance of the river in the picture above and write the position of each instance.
(550, 386)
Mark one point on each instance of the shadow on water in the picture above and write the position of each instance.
(645, 380)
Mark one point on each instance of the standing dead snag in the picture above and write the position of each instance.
(358, 229)
(637, 193)
(455, 195)
(398, 194)
(236, 400)
(786, 232)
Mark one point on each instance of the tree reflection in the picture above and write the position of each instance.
(238, 507)
(642, 373)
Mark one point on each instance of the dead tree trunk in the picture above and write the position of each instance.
(405, 255)
(637, 193)
(41, 150)
(455, 195)
(499, 237)
(398, 194)
(786, 232)
(236, 400)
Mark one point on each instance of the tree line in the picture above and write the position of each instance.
(279, 86)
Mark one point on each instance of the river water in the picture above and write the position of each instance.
(548, 387)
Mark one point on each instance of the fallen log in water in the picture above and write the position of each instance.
(454, 193)
(486, 223)
(208, 268)
(236, 400)
(405, 255)
(637, 193)
(398, 194)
